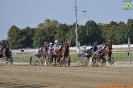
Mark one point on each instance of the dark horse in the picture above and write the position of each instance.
(7, 55)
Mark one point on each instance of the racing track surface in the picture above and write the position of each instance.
(26, 76)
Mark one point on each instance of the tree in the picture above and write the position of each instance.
(2, 42)
(93, 32)
(130, 29)
(28, 34)
(15, 37)
(83, 35)
(61, 32)
(45, 32)
(71, 34)
(39, 37)
(121, 33)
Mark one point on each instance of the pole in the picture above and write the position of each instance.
(76, 28)
(84, 17)
(129, 51)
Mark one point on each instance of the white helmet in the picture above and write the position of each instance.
(50, 43)
(56, 41)
(84, 46)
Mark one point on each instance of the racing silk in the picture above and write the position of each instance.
(84, 53)
(57, 46)
(50, 49)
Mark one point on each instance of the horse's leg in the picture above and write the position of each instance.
(86, 61)
(41, 60)
(46, 61)
(54, 59)
(65, 60)
(7, 60)
(100, 61)
(59, 60)
(11, 60)
(90, 61)
(30, 60)
(107, 62)
(68, 60)
(51, 59)
(96, 61)
(36, 61)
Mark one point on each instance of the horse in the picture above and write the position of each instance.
(64, 53)
(108, 53)
(103, 55)
(49, 57)
(55, 56)
(7, 55)
(41, 55)
(93, 56)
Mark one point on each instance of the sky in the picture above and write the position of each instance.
(23, 13)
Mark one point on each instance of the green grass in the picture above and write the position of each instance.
(121, 56)
(118, 56)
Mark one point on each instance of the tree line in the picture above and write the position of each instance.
(51, 30)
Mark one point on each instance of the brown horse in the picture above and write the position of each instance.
(61, 56)
(103, 55)
(108, 53)
(41, 55)
(56, 56)
(65, 53)
(7, 55)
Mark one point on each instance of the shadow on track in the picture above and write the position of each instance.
(11, 85)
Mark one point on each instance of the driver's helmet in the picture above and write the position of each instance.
(84, 46)
(56, 41)
(50, 44)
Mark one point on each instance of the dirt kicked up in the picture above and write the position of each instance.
(64, 77)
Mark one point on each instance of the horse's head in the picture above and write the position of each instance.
(45, 48)
(109, 44)
(65, 48)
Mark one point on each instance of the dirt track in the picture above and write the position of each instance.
(63, 77)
